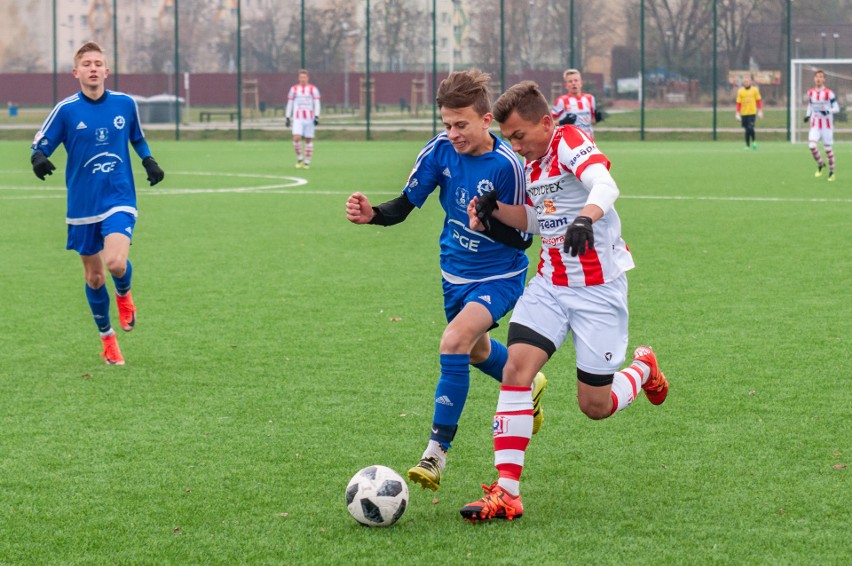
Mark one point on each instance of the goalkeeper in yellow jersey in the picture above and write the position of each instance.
(749, 107)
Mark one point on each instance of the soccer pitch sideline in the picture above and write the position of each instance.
(280, 349)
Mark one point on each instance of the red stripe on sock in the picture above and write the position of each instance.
(514, 388)
(511, 443)
(510, 471)
(614, 398)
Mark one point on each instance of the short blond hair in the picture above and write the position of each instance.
(87, 47)
(569, 72)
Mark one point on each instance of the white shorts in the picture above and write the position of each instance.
(826, 135)
(595, 316)
(304, 128)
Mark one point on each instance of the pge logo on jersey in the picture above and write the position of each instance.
(103, 163)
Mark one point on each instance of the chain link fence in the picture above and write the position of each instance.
(661, 69)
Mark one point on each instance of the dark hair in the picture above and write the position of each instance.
(466, 88)
(526, 99)
(86, 48)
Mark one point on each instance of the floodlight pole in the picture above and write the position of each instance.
(302, 28)
(55, 93)
(177, 76)
(715, 71)
(571, 34)
(115, 43)
(789, 71)
(435, 62)
(367, 85)
(642, 70)
(502, 45)
(239, 73)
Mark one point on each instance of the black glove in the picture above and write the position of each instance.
(578, 236)
(287, 122)
(41, 165)
(598, 116)
(316, 121)
(807, 119)
(568, 119)
(824, 112)
(485, 207)
(155, 174)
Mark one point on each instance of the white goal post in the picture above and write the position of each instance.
(838, 77)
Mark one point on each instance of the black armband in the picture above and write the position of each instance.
(507, 235)
(393, 211)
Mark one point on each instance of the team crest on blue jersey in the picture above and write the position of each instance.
(462, 197)
(118, 122)
(101, 135)
(484, 187)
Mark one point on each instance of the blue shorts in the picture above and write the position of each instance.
(88, 239)
(498, 296)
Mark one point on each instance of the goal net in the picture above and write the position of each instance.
(838, 77)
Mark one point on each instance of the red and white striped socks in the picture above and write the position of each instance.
(513, 424)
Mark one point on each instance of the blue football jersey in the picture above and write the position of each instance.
(468, 255)
(96, 135)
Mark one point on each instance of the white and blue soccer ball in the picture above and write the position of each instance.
(377, 496)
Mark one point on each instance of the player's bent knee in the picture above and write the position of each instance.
(812, 145)
(596, 406)
(454, 342)
(95, 280)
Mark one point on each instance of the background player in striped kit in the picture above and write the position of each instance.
(749, 107)
(303, 106)
(580, 288)
(96, 126)
(822, 106)
(576, 107)
(482, 278)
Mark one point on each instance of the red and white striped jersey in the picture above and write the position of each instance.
(822, 104)
(303, 102)
(583, 106)
(556, 193)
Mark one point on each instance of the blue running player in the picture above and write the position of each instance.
(96, 126)
(483, 272)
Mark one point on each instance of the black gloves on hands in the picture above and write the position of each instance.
(579, 236)
(316, 121)
(598, 116)
(155, 174)
(485, 207)
(807, 119)
(287, 122)
(42, 165)
(568, 119)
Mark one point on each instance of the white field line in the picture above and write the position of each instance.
(288, 186)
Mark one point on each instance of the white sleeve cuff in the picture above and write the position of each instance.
(602, 188)
(532, 221)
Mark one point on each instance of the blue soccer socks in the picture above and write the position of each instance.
(122, 284)
(99, 303)
(450, 397)
(493, 366)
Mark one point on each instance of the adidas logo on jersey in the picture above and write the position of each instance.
(447, 172)
(486, 298)
(81, 126)
(444, 400)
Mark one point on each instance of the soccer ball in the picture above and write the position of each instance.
(376, 496)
